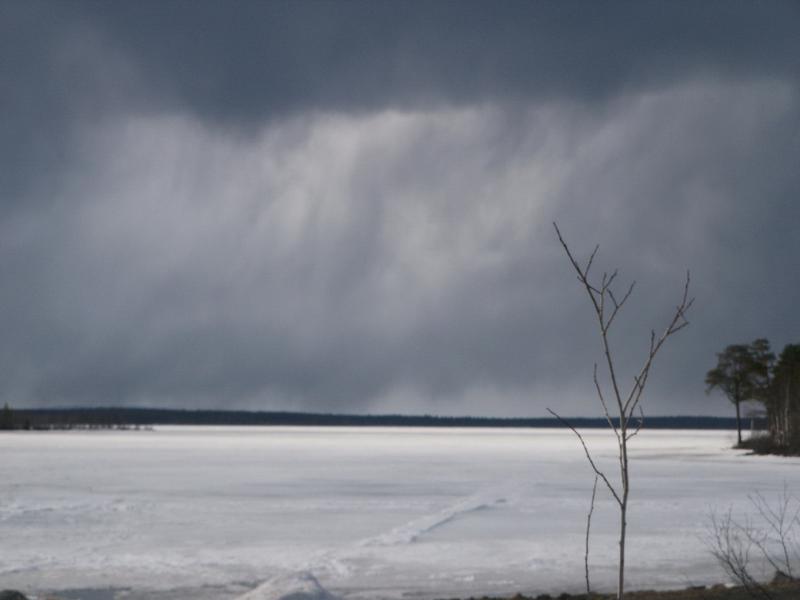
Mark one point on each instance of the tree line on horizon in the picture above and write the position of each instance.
(752, 372)
(132, 417)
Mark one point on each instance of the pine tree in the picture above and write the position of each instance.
(742, 373)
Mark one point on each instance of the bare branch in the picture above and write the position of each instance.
(618, 305)
(759, 541)
(611, 279)
(639, 424)
(591, 258)
(597, 471)
(677, 323)
(605, 406)
(582, 274)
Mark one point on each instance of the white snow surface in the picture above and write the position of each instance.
(369, 513)
(293, 586)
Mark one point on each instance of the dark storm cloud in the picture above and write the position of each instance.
(267, 58)
(347, 206)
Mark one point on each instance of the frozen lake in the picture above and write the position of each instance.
(201, 512)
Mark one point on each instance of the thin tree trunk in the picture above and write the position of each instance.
(787, 427)
(588, 532)
(623, 506)
(738, 423)
(622, 527)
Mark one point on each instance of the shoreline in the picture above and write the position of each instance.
(779, 589)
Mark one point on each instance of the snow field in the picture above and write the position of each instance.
(366, 512)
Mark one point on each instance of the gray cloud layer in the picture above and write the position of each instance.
(347, 206)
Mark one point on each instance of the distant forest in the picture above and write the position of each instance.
(122, 418)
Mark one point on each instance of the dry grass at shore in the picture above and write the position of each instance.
(787, 590)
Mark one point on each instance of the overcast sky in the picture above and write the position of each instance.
(348, 206)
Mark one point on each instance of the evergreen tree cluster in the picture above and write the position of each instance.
(6, 418)
(751, 372)
(782, 399)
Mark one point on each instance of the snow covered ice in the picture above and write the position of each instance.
(357, 513)
(295, 586)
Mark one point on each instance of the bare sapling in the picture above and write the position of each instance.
(773, 535)
(628, 417)
(732, 543)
